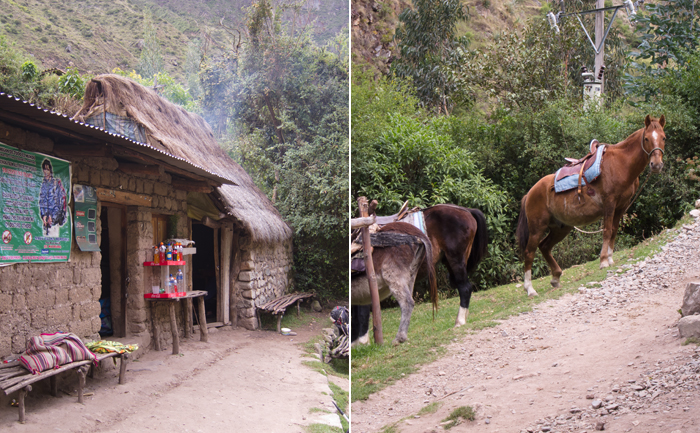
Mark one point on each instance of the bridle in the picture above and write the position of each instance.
(652, 150)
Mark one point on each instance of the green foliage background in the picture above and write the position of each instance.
(523, 116)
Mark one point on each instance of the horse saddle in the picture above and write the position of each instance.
(586, 170)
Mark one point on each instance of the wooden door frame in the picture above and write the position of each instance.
(124, 275)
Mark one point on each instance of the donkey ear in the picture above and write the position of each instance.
(662, 121)
(647, 121)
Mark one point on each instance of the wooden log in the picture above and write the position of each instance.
(173, 328)
(225, 265)
(22, 394)
(188, 318)
(358, 223)
(31, 378)
(82, 371)
(156, 328)
(124, 358)
(279, 322)
(123, 197)
(10, 364)
(371, 276)
(203, 332)
(192, 185)
(141, 169)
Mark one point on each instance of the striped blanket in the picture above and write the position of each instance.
(53, 350)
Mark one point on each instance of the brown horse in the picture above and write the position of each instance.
(608, 197)
(459, 237)
(396, 266)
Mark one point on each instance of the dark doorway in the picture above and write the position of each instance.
(113, 267)
(203, 267)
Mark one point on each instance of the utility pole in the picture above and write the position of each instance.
(599, 35)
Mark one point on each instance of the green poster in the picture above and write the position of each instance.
(34, 195)
(85, 202)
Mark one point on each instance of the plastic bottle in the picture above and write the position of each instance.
(169, 253)
(162, 252)
(171, 284)
(180, 283)
(156, 255)
(179, 251)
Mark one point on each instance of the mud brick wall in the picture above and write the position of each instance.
(264, 276)
(50, 297)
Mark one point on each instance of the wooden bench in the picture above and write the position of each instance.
(279, 305)
(15, 377)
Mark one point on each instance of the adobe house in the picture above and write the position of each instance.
(157, 173)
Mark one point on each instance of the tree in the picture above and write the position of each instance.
(151, 60)
(432, 54)
(283, 104)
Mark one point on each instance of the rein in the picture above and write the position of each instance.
(638, 191)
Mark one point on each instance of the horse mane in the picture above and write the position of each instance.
(408, 229)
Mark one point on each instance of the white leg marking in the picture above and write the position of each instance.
(610, 253)
(528, 284)
(462, 317)
(364, 339)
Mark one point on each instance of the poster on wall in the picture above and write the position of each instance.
(85, 203)
(35, 191)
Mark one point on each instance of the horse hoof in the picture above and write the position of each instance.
(555, 284)
(604, 265)
(396, 342)
(531, 294)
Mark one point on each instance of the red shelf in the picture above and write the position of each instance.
(164, 295)
(166, 263)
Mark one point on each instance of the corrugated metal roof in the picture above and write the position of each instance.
(68, 125)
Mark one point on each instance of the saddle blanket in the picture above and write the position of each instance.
(571, 182)
(416, 219)
(53, 350)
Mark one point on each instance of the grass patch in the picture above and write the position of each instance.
(376, 367)
(461, 413)
(691, 340)
(322, 428)
(431, 408)
(318, 409)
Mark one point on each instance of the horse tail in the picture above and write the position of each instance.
(522, 232)
(481, 240)
(432, 278)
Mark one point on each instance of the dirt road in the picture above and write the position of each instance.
(608, 357)
(241, 381)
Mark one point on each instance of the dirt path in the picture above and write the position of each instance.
(242, 381)
(615, 347)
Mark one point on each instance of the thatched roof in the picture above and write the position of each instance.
(185, 135)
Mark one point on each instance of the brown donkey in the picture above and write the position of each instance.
(607, 197)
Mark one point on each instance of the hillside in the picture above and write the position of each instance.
(98, 35)
(374, 23)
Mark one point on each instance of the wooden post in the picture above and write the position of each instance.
(217, 276)
(173, 328)
(22, 394)
(371, 277)
(156, 328)
(122, 367)
(203, 331)
(599, 32)
(82, 371)
(225, 263)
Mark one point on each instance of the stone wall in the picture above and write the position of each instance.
(264, 275)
